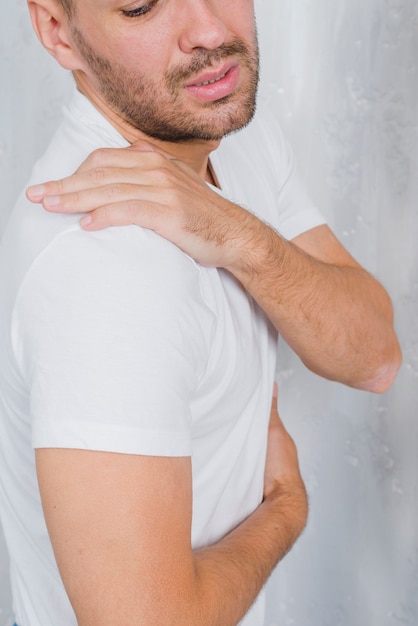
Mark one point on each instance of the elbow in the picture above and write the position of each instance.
(385, 373)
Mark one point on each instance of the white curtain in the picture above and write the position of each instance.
(343, 78)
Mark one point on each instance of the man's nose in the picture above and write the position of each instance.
(201, 25)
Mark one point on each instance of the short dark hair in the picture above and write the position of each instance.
(68, 6)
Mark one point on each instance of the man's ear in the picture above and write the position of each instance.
(53, 30)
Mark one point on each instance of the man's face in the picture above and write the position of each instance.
(175, 69)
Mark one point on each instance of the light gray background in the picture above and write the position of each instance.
(343, 77)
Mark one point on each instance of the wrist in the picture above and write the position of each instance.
(255, 251)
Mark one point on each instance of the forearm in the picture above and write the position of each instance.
(337, 318)
(121, 532)
(219, 585)
(231, 573)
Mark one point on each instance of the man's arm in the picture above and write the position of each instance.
(334, 314)
(120, 526)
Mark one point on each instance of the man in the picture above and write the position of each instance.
(138, 363)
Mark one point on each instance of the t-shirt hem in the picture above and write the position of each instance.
(107, 438)
(303, 222)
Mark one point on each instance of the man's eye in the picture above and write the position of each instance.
(140, 10)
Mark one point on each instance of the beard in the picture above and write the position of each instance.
(157, 109)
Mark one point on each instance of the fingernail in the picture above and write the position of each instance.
(36, 192)
(86, 220)
(52, 201)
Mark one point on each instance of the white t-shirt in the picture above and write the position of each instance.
(118, 341)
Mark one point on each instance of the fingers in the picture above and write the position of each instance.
(83, 198)
(103, 167)
(72, 195)
(123, 157)
(138, 153)
(110, 216)
(140, 213)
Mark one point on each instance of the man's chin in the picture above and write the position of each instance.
(228, 118)
(187, 122)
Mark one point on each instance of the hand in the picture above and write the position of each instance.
(282, 476)
(145, 186)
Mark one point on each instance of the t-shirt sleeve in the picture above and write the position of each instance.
(109, 334)
(257, 170)
(296, 211)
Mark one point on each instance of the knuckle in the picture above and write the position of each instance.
(120, 191)
(132, 211)
(160, 175)
(163, 176)
(98, 157)
(157, 159)
(75, 198)
(115, 190)
(104, 215)
(97, 175)
(58, 186)
(118, 214)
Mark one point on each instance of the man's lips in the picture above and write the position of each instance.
(210, 81)
(214, 84)
(212, 75)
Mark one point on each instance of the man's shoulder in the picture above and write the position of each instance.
(31, 232)
(82, 130)
(121, 261)
(48, 262)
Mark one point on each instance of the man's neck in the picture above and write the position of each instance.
(193, 153)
